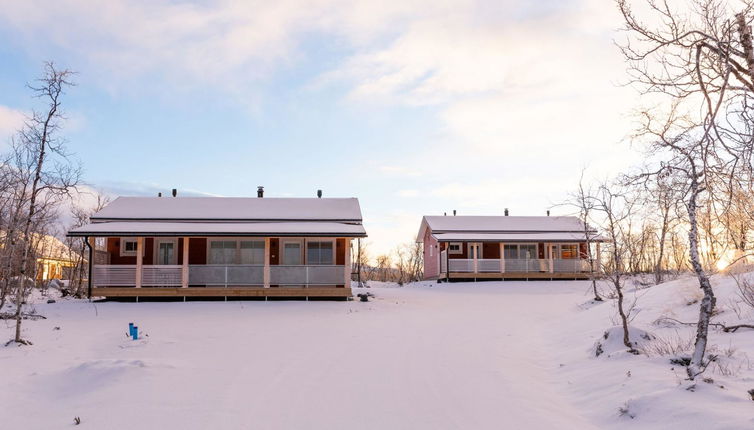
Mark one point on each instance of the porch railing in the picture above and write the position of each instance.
(307, 275)
(226, 274)
(459, 265)
(122, 275)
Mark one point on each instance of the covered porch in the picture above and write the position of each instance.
(517, 260)
(220, 266)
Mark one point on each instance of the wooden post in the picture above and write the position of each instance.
(91, 242)
(347, 262)
(139, 259)
(549, 251)
(502, 257)
(185, 268)
(266, 272)
(597, 260)
(475, 248)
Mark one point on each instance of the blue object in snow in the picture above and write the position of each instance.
(135, 333)
(130, 329)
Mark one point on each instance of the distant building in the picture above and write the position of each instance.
(506, 247)
(55, 259)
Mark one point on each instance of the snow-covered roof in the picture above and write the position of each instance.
(525, 228)
(516, 237)
(226, 216)
(230, 209)
(291, 228)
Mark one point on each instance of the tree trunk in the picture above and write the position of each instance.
(708, 302)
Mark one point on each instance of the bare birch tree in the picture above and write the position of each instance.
(43, 168)
(702, 65)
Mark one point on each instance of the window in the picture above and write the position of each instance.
(127, 247)
(431, 248)
(222, 252)
(455, 248)
(252, 251)
(520, 252)
(320, 253)
(528, 252)
(570, 251)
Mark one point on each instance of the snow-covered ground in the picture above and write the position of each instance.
(427, 356)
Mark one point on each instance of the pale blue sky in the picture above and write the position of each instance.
(415, 107)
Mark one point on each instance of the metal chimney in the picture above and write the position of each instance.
(319, 194)
(548, 213)
(454, 212)
(159, 194)
(506, 212)
(175, 192)
(260, 191)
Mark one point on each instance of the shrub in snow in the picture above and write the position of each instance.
(612, 340)
(625, 411)
(751, 393)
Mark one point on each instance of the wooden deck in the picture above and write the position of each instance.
(515, 275)
(221, 292)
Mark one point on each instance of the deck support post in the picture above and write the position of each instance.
(139, 260)
(548, 248)
(347, 262)
(185, 268)
(266, 271)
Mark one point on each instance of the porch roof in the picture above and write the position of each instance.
(202, 229)
(517, 237)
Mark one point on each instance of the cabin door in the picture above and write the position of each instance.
(166, 252)
(292, 253)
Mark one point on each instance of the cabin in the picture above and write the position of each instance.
(507, 247)
(223, 247)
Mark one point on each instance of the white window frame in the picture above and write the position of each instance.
(236, 256)
(578, 251)
(123, 252)
(321, 239)
(249, 239)
(518, 249)
(281, 250)
(457, 252)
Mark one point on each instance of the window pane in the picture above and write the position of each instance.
(319, 253)
(292, 253)
(569, 251)
(528, 251)
(222, 252)
(252, 252)
(510, 252)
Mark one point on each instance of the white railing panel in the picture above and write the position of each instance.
(114, 275)
(161, 276)
(461, 265)
(488, 265)
(209, 274)
(571, 265)
(245, 275)
(443, 262)
(307, 275)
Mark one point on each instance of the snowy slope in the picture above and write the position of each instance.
(427, 356)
